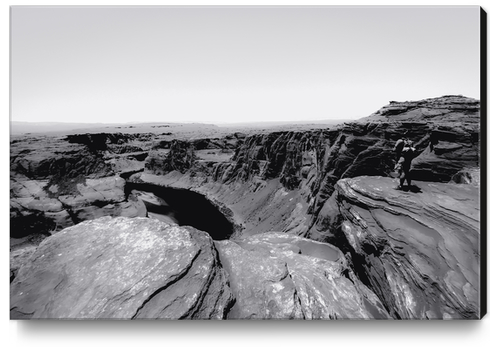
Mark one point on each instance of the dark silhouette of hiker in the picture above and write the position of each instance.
(399, 147)
(405, 152)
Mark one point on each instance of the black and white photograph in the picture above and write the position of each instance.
(247, 163)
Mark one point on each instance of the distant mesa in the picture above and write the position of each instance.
(448, 108)
(58, 128)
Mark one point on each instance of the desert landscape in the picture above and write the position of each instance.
(263, 221)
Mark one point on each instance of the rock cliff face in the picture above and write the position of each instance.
(314, 214)
(305, 164)
(58, 182)
(419, 252)
(444, 109)
(294, 173)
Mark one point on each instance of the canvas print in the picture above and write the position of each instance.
(243, 163)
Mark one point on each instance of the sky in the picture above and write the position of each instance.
(239, 64)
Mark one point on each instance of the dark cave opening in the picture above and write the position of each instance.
(185, 207)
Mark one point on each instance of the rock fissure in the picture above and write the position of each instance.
(170, 282)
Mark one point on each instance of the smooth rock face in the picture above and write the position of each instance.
(280, 276)
(419, 251)
(122, 268)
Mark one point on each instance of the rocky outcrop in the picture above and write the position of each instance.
(305, 166)
(419, 250)
(444, 109)
(121, 268)
(318, 229)
(192, 155)
(397, 254)
(56, 182)
(37, 209)
(307, 163)
(180, 157)
(451, 149)
(279, 276)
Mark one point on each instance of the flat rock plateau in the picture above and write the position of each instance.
(189, 221)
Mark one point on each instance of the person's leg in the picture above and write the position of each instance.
(408, 178)
(402, 178)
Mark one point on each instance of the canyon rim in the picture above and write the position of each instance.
(293, 221)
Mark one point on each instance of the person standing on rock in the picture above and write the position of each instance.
(405, 152)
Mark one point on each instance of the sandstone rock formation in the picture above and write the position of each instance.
(308, 164)
(57, 182)
(33, 208)
(397, 254)
(279, 276)
(293, 200)
(18, 258)
(444, 109)
(418, 251)
(122, 268)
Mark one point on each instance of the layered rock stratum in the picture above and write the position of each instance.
(310, 223)
(419, 252)
(122, 268)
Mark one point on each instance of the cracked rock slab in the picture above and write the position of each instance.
(122, 268)
(281, 276)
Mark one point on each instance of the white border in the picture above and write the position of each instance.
(230, 333)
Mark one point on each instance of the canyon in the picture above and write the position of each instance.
(179, 223)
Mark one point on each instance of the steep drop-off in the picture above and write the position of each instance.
(419, 252)
(280, 181)
(294, 198)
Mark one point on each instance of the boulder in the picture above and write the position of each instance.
(467, 176)
(122, 268)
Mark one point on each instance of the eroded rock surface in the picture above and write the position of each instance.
(36, 208)
(122, 268)
(396, 254)
(448, 108)
(294, 173)
(56, 182)
(280, 276)
(445, 132)
(419, 250)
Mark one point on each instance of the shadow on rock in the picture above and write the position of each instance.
(413, 188)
